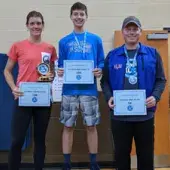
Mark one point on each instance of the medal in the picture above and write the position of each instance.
(132, 80)
(131, 67)
(83, 49)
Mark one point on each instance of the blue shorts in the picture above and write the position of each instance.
(88, 105)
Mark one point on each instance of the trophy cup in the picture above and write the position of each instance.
(43, 70)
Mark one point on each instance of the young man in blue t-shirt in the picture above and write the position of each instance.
(80, 45)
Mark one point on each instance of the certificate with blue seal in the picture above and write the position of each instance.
(78, 72)
(129, 102)
(35, 94)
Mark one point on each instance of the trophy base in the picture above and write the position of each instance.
(44, 79)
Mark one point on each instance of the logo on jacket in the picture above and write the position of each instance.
(117, 66)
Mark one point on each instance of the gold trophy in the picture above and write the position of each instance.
(43, 70)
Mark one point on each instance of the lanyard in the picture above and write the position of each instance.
(84, 43)
(131, 74)
(126, 53)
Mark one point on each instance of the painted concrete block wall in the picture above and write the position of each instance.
(105, 16)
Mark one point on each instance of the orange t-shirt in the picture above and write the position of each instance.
(29, 55)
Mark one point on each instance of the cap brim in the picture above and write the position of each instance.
(132, 22)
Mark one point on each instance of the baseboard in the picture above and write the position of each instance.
(76, 165)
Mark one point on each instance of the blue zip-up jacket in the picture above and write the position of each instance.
(150, 76)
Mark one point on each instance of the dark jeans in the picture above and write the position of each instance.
(20, 122)
(143, 133)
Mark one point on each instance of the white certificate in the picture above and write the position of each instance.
(129, 102)
(35, 94)
(57, 88)
(78, 72)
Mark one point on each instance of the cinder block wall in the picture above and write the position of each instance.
(105, 16)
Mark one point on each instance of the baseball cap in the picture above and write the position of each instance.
(131, 19)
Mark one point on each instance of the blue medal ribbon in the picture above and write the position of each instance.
(84, 43)
(131, 73)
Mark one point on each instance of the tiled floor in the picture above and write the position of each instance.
(87, 169)
(168, 168)
(113, 169)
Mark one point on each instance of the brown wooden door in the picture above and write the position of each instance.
(162, 146)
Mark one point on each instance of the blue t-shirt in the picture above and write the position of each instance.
(72, 49)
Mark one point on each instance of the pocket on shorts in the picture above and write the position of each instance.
(65, 103)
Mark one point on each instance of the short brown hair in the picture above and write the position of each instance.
(34, 14)
(78, 6)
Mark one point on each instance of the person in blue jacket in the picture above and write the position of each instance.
(133, 66)
(80, 45)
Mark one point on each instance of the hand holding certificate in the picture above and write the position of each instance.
(35, 94)
(97, 72)
(17, 93)
(78, 72)
(129, 102)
